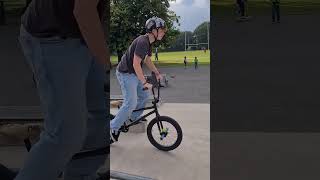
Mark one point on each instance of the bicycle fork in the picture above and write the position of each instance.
(163, 132)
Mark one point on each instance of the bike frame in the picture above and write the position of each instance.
(154, 107)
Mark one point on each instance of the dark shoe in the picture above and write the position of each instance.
(114, 135)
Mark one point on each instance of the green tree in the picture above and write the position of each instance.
(128, 18)
(201, 34)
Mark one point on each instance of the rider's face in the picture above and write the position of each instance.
(161, 33)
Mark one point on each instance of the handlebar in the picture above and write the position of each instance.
(155, 84)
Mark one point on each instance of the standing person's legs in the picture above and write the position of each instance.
(142, 101)
(238, 7)
(60, 68)
(273, 12)
(244, 4)
(242, 8)
(278, 12)
(97, 127)
(128, 83)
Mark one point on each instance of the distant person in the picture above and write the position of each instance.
(185, 62)
(241, 5)
(275, 10)
(156, 54)
(195, 62)
(204, 49)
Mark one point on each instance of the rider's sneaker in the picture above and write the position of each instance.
(114, 135)
(124, 128)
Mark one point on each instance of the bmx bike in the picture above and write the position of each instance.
(163, 132)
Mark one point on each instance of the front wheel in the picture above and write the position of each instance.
(164, 133)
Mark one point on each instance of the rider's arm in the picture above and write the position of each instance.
(150, 65)
(86, 15)
(137, 68)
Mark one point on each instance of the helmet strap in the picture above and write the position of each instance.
(155, 37)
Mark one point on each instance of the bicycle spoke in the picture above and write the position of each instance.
(171, 137)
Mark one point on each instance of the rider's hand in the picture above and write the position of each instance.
(147, 86)
(158, 76)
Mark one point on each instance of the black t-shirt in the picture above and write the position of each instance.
(46, 18)
(141, 47)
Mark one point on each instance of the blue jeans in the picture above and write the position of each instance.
(70, 85)
(133, 98)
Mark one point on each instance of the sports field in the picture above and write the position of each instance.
(176, 58)
(262, 7)
(14, 7)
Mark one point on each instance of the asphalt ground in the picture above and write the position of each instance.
(265, 75)
(185, 85)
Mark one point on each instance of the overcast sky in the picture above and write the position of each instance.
(192, 13)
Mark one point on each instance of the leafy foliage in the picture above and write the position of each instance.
(128, 19)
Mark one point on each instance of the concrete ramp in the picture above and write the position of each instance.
(191, 160)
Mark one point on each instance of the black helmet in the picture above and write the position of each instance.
(154, 23)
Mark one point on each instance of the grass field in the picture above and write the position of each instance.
(176, 58)
(14, 7)
(261, 7)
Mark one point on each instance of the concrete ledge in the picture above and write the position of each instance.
(125, 176)
(115, 104)
(14, 134)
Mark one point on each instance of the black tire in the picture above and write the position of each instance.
(6, 174)
(174, 124)
(110, 117)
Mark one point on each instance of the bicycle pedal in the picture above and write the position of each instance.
(124, 129)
